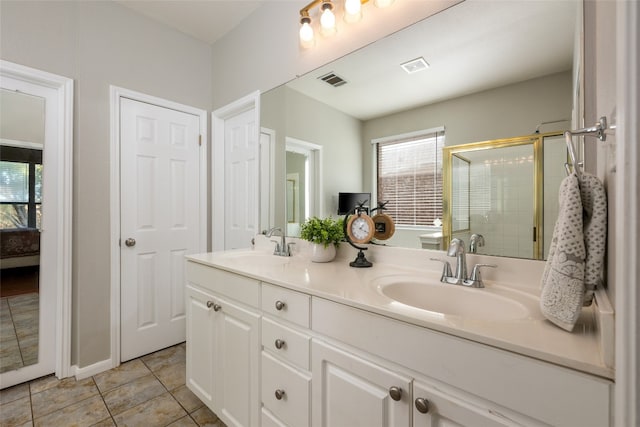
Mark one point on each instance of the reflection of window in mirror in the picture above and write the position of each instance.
(20, 187)
(409, 177)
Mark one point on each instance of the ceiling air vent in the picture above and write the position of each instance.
(415, 65)
(333, 79)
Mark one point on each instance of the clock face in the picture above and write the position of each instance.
(360, 228)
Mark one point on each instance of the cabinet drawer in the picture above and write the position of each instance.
(222, 282)
(286, 304)
(269, 420)
(293, 406)
(294, 346)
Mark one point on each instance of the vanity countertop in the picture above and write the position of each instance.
(336, 281)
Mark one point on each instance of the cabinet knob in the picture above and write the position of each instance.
(395, 393)
(422, 405)
(280, 305)
(216, 307)
(279, 394)
(279, 344)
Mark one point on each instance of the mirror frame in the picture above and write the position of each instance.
(538, 158)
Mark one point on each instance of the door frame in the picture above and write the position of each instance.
(218, 161)
(61, 269)
(313, 182)
(116, 93)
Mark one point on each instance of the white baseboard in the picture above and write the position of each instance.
(91, 370)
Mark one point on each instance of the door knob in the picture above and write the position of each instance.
(130, 242)
(395, 393)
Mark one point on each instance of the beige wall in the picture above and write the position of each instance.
(294, 115)
(100, 43)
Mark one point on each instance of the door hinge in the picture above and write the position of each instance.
(200, 140)
(535, 234)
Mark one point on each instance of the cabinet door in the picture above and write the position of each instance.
(351, 391)
(447, 411)
(236, 374)
(201, 335)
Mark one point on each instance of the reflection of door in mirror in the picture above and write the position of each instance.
(22, 134)
(303, 177)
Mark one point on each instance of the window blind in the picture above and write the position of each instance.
(410, 178)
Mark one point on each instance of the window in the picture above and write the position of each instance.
(410, 178)
(20, 188)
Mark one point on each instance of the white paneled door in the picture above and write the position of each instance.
(242, 169)
(159, 190)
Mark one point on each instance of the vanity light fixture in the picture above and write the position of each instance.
(415, 65)
(328, 18)
(327, 14)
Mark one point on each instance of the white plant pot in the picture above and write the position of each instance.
(321, 254)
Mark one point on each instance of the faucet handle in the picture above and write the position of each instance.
(277, 248)
(446, 269)
(476, 278)
(289, 247)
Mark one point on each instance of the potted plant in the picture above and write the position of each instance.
(325, 235)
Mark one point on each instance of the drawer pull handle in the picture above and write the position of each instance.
(279, 344)
(209, 304)
(280, 305)
(395, 393)
(279, 394)
(422, 405)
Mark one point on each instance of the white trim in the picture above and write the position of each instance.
(91, 370)
(218, 118)
(64, 208)
(115, 94)
(21, 144)
(627, 340)
(407, 135)
(270, 215)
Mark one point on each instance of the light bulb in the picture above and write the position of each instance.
(383, 3)
(352, 11)
(306, 33)
(328, 19)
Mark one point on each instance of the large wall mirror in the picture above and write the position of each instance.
(496, 70)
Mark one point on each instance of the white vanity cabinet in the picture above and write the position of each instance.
(286, 342)
(351, 391)
(223, 343)
(262, 354)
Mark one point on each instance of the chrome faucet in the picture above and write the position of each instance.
(477, 240)
(282, 248)
(456, 249)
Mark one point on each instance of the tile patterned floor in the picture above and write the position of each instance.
(19, 317)
(149, 391)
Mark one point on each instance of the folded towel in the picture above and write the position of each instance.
(563, 277)
(594, 205)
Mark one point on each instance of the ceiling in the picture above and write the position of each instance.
(205, 20)
(473, 46)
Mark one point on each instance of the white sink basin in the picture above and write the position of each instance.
(493, 303)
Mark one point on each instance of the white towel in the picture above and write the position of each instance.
(563, 277)
(594, 205)
(576, 255)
